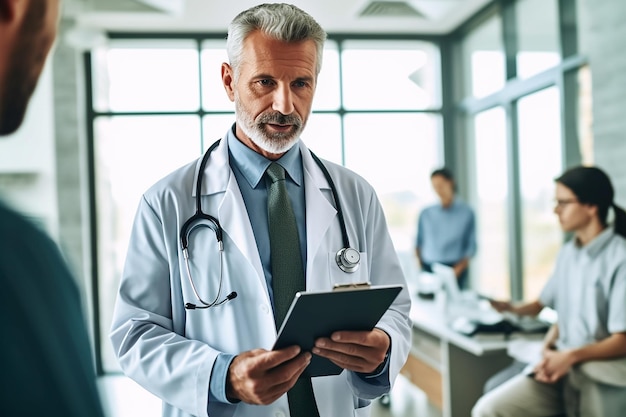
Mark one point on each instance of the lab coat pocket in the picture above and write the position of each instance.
(339, 277)
(364, 409)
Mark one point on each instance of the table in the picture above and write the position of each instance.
(449, 367)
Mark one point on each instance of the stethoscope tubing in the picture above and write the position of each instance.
(347, 259)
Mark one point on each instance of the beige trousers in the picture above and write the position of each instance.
(575, 395)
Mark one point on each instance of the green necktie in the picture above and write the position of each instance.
(287, 274)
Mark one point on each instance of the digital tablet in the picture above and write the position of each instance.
(319, 314)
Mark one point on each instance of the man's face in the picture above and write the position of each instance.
(573, 215)
(273, 92)
(443, 187)
(30, 46)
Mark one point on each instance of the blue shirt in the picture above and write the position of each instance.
(446, 234)
(249, 168)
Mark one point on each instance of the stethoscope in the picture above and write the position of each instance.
(347, 258)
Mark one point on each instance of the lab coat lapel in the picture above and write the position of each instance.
(320, 213)
(236, 224)
(220, 182)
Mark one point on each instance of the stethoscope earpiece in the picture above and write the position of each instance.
(348, 259)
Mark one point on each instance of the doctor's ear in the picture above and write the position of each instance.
(228, 79)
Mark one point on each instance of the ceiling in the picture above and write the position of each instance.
(336, 16)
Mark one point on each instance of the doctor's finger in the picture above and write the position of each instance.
(252, 383)
(290, 370)
(375, 338)
(279, 380)
(286, 375)
(345, 361)
(271, 359)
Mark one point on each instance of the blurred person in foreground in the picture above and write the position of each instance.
(582, 371)
(46, 367)
(446, 231)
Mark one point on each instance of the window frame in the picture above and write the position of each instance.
(562, 76)
(92, 115)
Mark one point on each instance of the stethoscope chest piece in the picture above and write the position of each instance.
(348, 259)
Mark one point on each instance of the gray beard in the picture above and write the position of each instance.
(275, 143)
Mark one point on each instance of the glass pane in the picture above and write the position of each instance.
(396, 153)
(585, 115)
(538, 36)
(214, 97)
(327, 91)
(483, 59)
(490, 268)
(215, 127)
(131, 154)
(540, 162)
(323, 136)
(390, 75)
(147, 76)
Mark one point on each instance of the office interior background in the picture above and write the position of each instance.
(507, 93)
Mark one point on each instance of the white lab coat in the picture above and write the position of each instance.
(170, 351)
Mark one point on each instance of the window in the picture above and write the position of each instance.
(521, 100)
(159, 104)
(401, 178)
(540, 156)
(490, 269)
(132, 154)
(141, 76)
(483, 56)
(390, 75)
(538, 41)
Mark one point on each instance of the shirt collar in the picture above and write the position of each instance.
(598, 243)
(253, 165)
(453, 204)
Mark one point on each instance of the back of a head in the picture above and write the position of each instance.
(284, 22)
(30, 28)
(591, 185)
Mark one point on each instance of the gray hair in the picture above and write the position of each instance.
(283, 22)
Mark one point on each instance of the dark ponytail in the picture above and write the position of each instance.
(620, 220)
(592, 186)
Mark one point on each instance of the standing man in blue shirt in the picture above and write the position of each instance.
(446, 232)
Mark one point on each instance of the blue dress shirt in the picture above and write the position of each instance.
(249, 169)
(446, 234)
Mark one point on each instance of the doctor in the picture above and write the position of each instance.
(198, 332)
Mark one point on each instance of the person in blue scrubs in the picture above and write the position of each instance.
(46, 367)
(446, 231)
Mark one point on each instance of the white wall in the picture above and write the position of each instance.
(602, 27)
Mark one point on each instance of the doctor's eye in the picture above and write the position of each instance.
(266, 82)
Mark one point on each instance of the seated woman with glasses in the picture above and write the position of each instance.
(582, 371)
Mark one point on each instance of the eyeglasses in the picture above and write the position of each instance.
(564, 202)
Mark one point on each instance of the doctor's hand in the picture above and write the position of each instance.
(261, 377)
(360, 351)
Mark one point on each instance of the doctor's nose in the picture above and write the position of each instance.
(283, 100)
